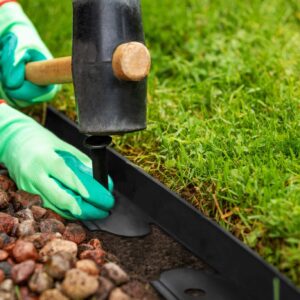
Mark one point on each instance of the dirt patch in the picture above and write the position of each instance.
(145, 258)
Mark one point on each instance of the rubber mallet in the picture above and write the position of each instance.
(108, 68)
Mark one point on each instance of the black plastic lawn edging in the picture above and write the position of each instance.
(141, 200)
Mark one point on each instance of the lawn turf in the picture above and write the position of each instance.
(224, 105)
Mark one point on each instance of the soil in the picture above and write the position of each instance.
(146, 258)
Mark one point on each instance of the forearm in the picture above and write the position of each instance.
(11, 130)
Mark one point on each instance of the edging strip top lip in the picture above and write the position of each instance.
(232, 260)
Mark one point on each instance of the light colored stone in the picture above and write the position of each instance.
(41, 239)
(6, 296)
(7, 285)
(56, 246)
(38, 212)
(58, 264)
(24, 214)
(79, 285)
(53, 294)
(88, 266)
(114, 273)
(26, 228)
(118, 294)
(40, 282)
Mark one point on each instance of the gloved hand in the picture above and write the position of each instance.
(20, 44)
(41, 163)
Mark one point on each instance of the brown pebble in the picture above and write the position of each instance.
(9, 247)
(6, 184)
(58, 264)
(24, 251)
(20, 273)
(40, 282)
(97, 255)
(83, 247)
(95, 243)
(75, 233)
(22, 200)
(138, 290)
(24, 214)
(114, 273)
(26, 228)
(88, 266)
(38, 212)
(10, 261)
(118, 294)
(8, 224)
(3, 255)
(79, 285)
(2, 276)
(105, 287)
(53, 215)
(4, 200)
(53, 294)
(52, 225)
(56, 246)
(26, 294)
(39, 267)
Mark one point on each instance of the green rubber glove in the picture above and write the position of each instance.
(41, 163)
(20, 44)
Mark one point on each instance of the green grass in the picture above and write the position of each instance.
(224, 111)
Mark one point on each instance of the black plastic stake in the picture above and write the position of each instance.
(97, 146)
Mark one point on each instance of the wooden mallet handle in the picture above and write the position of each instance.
(58, 70)
(130, 62)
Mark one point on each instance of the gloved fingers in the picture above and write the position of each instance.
(19, 91)
(89, 214)
(88, 211)
(64, 213)
(65, 174)
(50, 191)
(8, 44)
(31, 93)
(85, 160)
(13, 63)
(98, 195)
